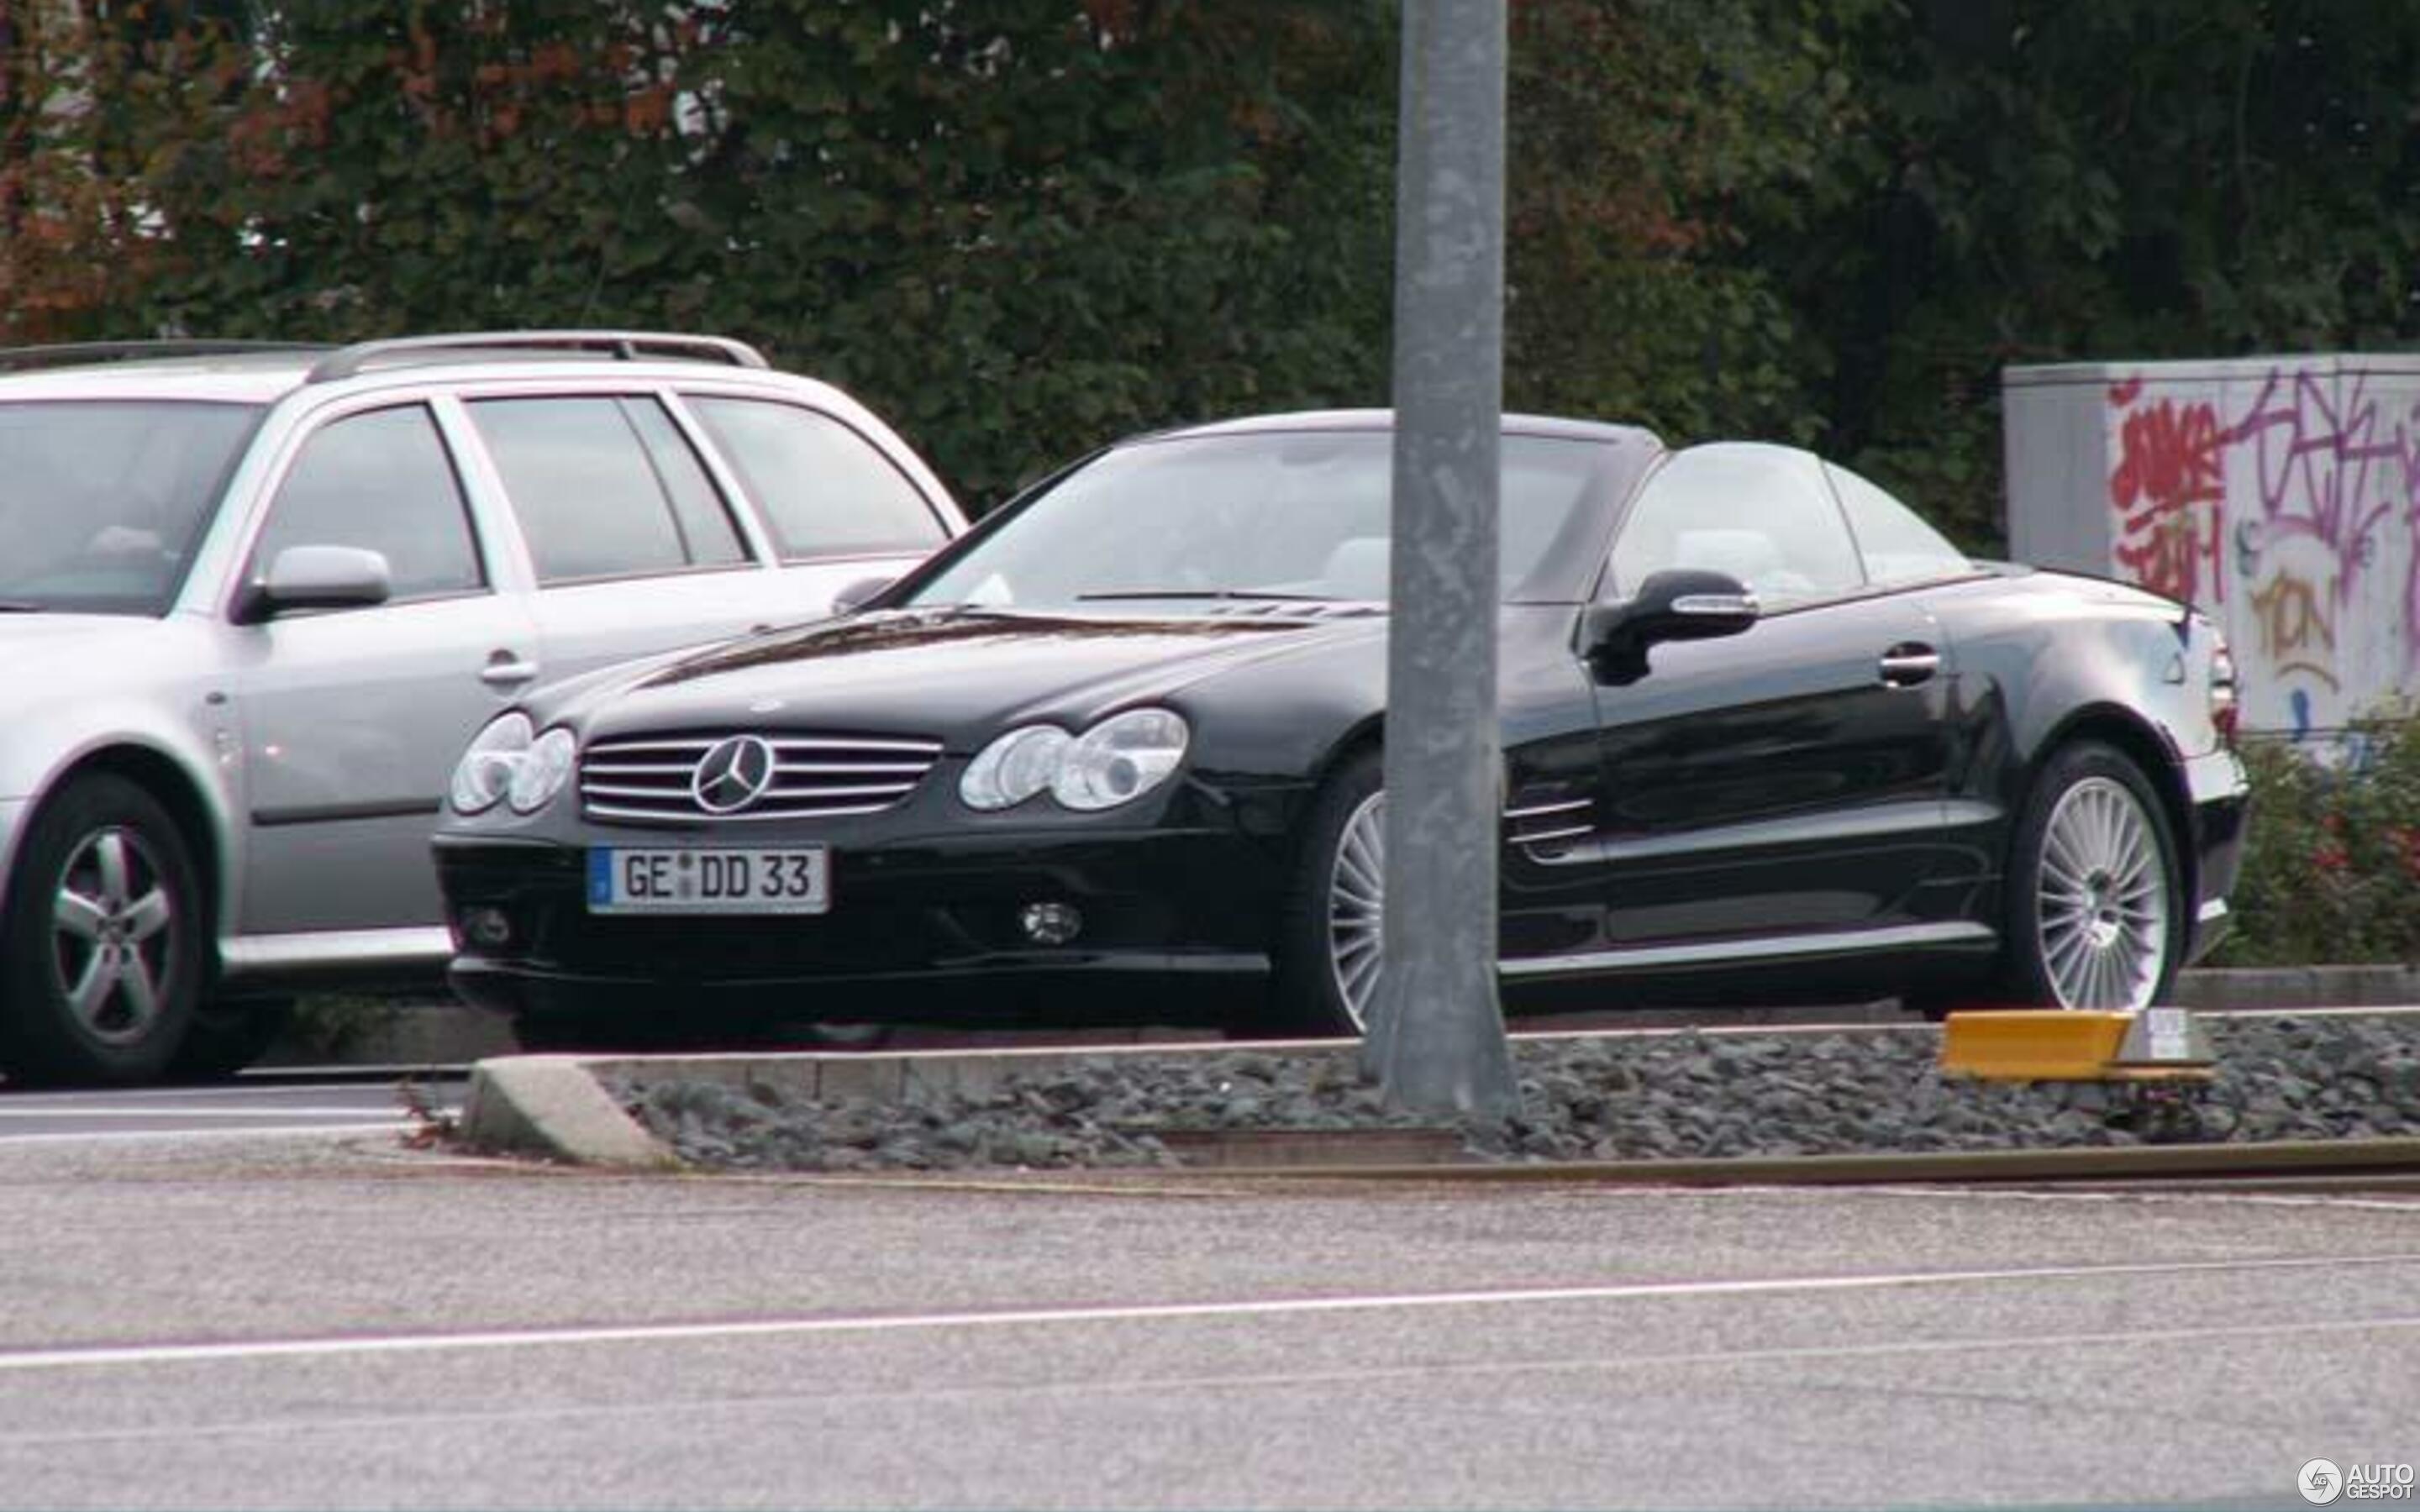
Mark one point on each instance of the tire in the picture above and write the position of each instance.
(101, 943)
(1332, 930)
(2095, 916)
(226, 1037)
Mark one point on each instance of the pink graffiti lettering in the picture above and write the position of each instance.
(2314, 465)
(2406, 443)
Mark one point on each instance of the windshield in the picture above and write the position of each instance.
(1276, 515)
(101, 502)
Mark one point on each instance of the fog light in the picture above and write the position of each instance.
(486, 928)
(1049, 923)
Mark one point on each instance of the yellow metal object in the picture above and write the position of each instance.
(2053, 1045)
(2031, 1044)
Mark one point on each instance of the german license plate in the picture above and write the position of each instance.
(793, 879)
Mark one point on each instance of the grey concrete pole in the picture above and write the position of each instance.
(1436, 1035)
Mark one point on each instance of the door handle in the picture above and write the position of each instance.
(1909, 663)
(507, 669)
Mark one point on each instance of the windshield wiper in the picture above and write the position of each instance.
(1209, 593)
(968, 610)
(18, 606)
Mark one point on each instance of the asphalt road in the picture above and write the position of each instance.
(336, 1320)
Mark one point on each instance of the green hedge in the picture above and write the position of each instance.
(2332, 866)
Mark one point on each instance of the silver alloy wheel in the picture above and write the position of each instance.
(1357, 907)
(113, 933)
(2103, 897)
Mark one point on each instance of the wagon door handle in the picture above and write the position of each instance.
(507, 669)
(1909, 663)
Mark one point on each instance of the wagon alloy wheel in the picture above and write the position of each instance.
(2103, 899)
(112, 935)
(101, 952)
(1357, 907)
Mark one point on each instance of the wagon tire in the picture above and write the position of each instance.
(102, 940)
(226, 1037)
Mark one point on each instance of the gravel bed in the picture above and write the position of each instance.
(1681, 1095)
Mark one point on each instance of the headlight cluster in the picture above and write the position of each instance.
(1115, 762)
(509, 762)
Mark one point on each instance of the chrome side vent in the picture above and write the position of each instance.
(1546, 826)
(738, 776)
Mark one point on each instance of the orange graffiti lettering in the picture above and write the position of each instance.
(2295, 634)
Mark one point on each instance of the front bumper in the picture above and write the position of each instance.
(2219, 790)
(1176, 927)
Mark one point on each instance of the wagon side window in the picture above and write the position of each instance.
(382, 481)
(605, 486)
(823, 490)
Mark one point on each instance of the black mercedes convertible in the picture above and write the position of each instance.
(1767, 737)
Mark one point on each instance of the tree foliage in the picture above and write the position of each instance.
(2047, 181)
(1024, 226)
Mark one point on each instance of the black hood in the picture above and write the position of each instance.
(959, 676)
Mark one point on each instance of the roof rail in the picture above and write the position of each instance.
(621, 346)
(78, 353)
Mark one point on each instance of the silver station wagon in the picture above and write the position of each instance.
(255, 600)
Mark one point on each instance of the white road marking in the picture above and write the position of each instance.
(250, 1349)
(171, 1110)
(1127, 1387)
(238, 1091)
(91, 1137)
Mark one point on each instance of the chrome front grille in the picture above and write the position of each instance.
(654, 779)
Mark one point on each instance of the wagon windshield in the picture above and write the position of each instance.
(103, 501)
(1275, 515)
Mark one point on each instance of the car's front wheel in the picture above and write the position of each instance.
(2095, 914)
(1332, 936)
(100, 949)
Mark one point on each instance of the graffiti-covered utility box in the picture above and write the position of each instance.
(2281, 495)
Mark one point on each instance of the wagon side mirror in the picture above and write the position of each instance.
(317, 576)
(1679, 604)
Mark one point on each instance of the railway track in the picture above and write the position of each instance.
(2315, 1165)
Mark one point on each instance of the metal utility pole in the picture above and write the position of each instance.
(1436, 1035)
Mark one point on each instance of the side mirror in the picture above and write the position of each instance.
(860, 594)
(317, 576)
(1679, 604)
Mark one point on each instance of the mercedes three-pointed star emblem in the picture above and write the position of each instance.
(733, 773)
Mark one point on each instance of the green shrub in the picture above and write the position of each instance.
(2332, 864)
